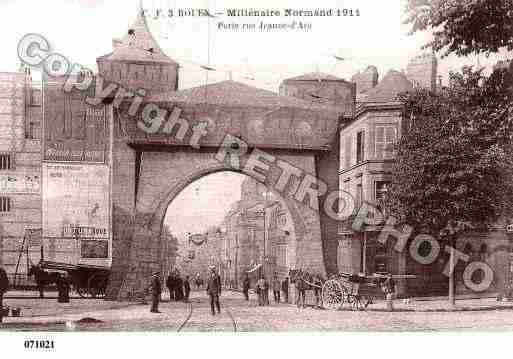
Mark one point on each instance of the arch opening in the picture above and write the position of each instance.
(230, 221)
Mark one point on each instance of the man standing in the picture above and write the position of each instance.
(276, 289)
(169, 285)
(156, 290)
(260, 285)
(266, 292)
(4, 285)
(179, 287)
(245, 287)
(285, 289)
(214, 291)
(301, 293)
(186, 288)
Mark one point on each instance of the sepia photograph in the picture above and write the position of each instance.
(281, 168)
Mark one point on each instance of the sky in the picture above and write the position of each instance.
(206, 202)
(83, 30)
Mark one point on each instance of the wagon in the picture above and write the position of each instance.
(357, 290)
(87, 280)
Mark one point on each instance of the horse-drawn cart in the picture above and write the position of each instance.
(86, 280)
(358, 291)
(355, 290)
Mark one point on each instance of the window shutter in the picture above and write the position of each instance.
(389, 141)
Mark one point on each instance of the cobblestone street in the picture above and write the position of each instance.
(239, 315)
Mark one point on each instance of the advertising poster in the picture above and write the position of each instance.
(76, 206)
(74, 131)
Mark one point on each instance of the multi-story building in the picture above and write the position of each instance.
(20, 171)
(366, 165)
(258, 238)
(169, 249)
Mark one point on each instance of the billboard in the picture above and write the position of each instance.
(74, 130)
(76, 205)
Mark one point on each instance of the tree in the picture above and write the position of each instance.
(463, 27)
(454, 169)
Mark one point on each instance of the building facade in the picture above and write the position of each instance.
(366, 168)
(20, 171)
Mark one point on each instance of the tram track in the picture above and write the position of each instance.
(191, 311)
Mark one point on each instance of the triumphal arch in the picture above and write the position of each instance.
(173, 137)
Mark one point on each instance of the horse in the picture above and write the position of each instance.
(304, 281)
(43, 278)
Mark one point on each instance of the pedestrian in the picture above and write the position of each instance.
(266, 291)
(186, 288)
(245, 286)
(389, 289)
(169, 285)
(276, 289)
(156, 290)
(317, 280)
(4, 286)
(179, 287)
(285, 289)
(214, 291)
(260, 285)
(301, 293)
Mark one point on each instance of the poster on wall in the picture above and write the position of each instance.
(76, 206)
(91, 249)
(20, 184)
(74, 130)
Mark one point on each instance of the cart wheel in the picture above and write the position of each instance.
(366, 301)
(82, 292)
(333, 294)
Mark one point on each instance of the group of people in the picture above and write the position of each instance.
(262, 288)
(179, 289)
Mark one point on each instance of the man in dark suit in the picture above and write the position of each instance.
(4, 285)
(214, 291)
(285, 289)
(186, 288)
(245, 286)
(170, 286)
(156, 290)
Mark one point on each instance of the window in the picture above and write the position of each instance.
(381, 189)
(359, 195)
(360, 147)
(33, 131)
(6, 161)
(385, 140)
(5, 204)
(347, 152)
(36, 98)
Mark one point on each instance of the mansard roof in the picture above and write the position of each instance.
(388, 88)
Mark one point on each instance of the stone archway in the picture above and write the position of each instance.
(163, 174)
